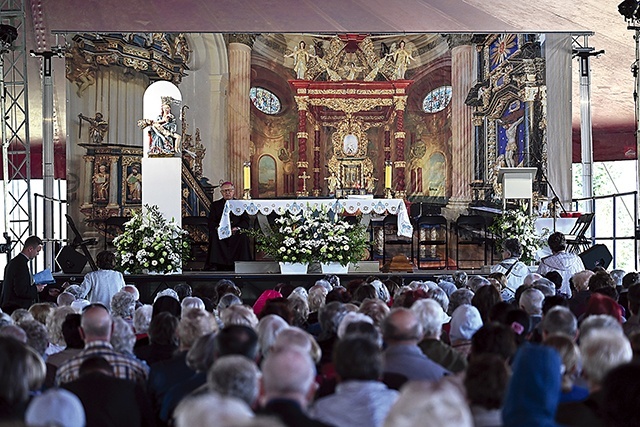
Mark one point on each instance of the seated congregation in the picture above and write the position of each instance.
(511, 349)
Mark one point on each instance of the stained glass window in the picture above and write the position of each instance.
(437, 99)
(265, 100)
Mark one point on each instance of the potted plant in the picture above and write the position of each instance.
(151, 244)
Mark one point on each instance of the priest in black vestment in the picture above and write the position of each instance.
(223, 253)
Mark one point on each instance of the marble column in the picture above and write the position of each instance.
(303, 135)
(239, 107)
(316, 161)
(463, 75)
(399, 165)
(113, 182)
(88, 174)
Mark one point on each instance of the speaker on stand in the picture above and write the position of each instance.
(70, 260)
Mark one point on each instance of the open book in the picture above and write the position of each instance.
(44, 277)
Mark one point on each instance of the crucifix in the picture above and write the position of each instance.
(304, 177)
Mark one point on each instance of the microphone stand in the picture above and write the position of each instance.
(555, 199)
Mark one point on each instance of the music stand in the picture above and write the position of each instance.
(517, 183)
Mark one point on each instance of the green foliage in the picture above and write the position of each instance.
(150, 243)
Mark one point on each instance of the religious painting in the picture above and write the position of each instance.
(510, 130)
(133, 184)
(267, 177)
(351, 175)
(436, 175)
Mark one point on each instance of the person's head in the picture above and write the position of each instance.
(41, 311)
(162, 329)
(357, 358)
(596, 322)
(458, 298)
(570, 355)
(106, 260)
(330, 316)
(376, 309)
(546, 286)
(32, 247)
(512, 248)
(430, 404)
(560, 320)
(132, 290)
(228, 300)
(238, 314)
(202, 353)
(633, 298)
(486, 381)
(14, 381)
(317, 296)
(56, 407)
(465, 321)
(200, 410)
(601, 279)
(227, 190)
(122, 336)
(71, 331)
(95, 324)
(621, 396)
(601, 352)
(166, 304)
(227, 286)
(440, 296)
(235, 376)
(278, 306)
(193, 324)
(351, 317)
(54, 324)
(555, 278)
(289, 374)
(617, 275)
(237, 339)
(183, 290)
(494, 338)
(191, 302)
(37, 336)
(402, 326)
(432, 317)
(123, 305)
(484, 299)
(268, 329)
(580, 280)
(601, 304)
(299, 308)
(520, 323)
(142, 318)
(296, 337)
(363, 292)
(557, 242)
(531, 301)
(476, 282)
(630, 279)
(65, 299)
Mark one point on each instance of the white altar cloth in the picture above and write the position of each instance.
(351, 206)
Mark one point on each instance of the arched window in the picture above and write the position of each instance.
(437, 99)
(265, 100)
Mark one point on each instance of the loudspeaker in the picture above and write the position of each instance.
(596, 256)
(71, 261)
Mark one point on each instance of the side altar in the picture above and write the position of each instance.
(350, 206)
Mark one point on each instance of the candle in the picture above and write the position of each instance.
(387, 175)
(247, 175)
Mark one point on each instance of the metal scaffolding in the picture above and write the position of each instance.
(16, 160)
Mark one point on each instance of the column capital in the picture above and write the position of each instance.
(242, 38)
(455, 40)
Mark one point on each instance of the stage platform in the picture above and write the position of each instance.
(251, 284)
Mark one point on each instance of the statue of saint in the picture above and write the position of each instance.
(401, 57)
(97, 127)
(134, 185)
(333, 183)
(300, 57)
(511, 149)
(101, 184)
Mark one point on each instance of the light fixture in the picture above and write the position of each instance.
(8, 34)
(628, 9)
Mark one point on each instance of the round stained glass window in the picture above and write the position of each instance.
(437, 99)
(265, 100)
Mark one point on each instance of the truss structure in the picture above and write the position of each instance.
(16, 161)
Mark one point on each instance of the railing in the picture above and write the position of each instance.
(623, 209)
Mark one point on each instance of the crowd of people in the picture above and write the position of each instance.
(514, 348)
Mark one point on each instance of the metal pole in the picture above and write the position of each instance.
(636, 101)
(586, 140)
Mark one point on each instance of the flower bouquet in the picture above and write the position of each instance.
(519, 224)
(151, 244)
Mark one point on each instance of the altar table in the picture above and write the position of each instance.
(350, 206)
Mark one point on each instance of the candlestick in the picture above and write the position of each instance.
(246, 169)
(387, 175)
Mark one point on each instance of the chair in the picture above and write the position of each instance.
(433, 234)
(577, 242)
(79, 242)
(470, 230)
(391, 238)
(415, 212)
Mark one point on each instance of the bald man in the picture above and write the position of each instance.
(402, 331)
(288, 387)
(95, 330)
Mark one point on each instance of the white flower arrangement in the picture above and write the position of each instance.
(313, 235)
(150, 243)
(519, 224)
